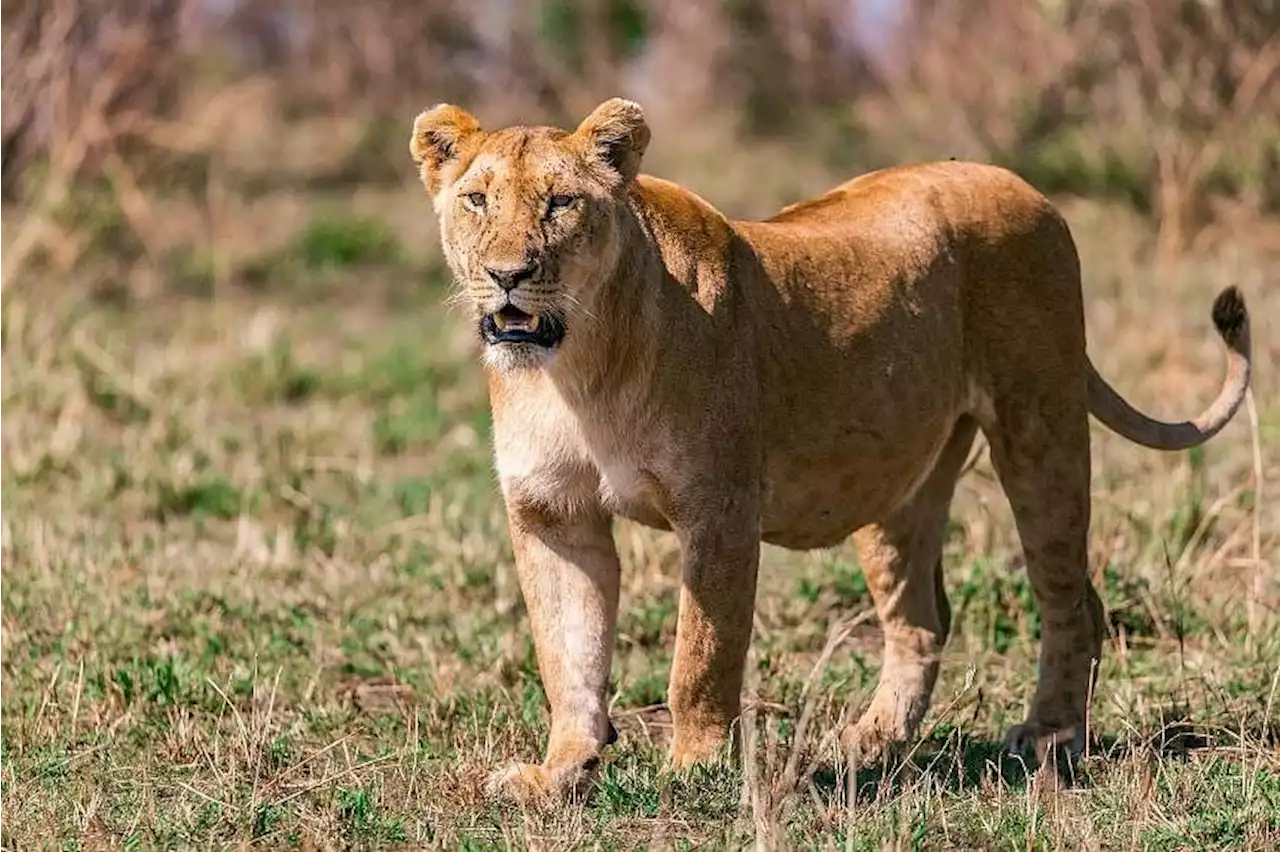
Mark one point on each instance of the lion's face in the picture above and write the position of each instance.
(529, 219)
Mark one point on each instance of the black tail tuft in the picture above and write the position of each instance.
(1230, 315)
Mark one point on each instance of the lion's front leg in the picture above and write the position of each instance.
(569, 575)
(717, 601)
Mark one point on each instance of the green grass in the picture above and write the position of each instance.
(258, 594)
(337, 242)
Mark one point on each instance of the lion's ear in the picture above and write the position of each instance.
(440, 136)
(617, 134)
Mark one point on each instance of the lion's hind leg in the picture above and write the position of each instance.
(902, 559)
(1039, 436)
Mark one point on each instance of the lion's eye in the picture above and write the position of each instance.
(476, 200)
(557, 203)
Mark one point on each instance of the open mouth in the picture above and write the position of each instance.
(512, 325)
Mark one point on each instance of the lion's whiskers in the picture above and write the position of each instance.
(456, 298)
(576, 308)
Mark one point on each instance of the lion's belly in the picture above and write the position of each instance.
(816, 496)
(853, 425)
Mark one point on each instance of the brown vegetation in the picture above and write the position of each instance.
(1173, 107)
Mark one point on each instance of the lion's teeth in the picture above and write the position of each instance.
(500, 321)
(533, 322)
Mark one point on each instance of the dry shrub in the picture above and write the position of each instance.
(71, 70)
(369, 56)
(74, 76)
(1167, 105)
(1170, 106)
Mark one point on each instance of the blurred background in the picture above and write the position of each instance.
(246, 453)
(1169, 108)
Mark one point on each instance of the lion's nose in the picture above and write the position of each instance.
(509, 277)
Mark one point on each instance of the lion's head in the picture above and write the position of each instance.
(529, 218)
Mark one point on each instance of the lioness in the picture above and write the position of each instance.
(795, 380)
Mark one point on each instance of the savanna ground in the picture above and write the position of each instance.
(258, 590)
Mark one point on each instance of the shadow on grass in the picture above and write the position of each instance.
(953, 766)
(961, 764)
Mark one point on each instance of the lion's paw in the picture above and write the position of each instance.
(537, 786)
(694, 748)
(1033, 739)
(525, 783)
(867, 742)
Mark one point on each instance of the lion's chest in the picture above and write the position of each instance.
(544, 452)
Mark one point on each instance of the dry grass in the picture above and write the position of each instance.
(258, 592)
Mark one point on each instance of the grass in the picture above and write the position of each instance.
(258, 594)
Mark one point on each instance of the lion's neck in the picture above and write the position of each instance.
(650, 312)
(615, 342)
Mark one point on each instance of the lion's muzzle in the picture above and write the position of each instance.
(512, 325)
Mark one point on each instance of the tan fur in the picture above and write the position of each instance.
(794, 381)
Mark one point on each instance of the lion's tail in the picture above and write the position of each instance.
(1231, 318)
